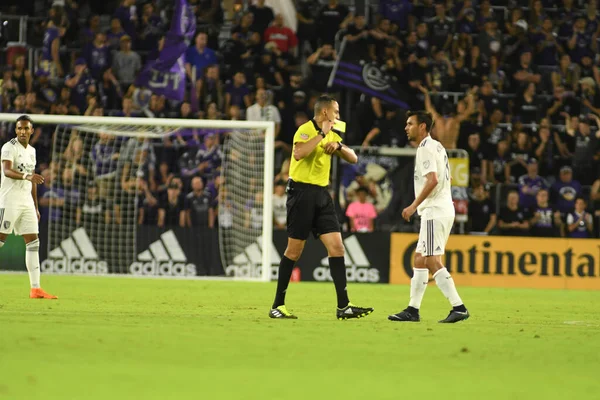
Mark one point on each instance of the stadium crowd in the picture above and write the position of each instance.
(517, 87)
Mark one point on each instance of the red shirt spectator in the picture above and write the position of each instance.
(283, 36)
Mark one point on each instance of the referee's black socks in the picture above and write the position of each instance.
(337, 268)
(285, 273)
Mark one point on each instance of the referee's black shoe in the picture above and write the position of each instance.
(352, 311)
(405, 316)
(455, 316)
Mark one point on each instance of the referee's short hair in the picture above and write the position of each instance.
(322, 102)
(25, 117)
(423, 117)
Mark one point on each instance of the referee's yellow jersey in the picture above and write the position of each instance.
(314, 168)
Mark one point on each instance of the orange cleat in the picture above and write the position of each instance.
(39, 293)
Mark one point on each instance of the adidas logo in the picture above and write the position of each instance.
(358, 267)
(248, 264)
(438, 248)
(163, 257)
(75, 254)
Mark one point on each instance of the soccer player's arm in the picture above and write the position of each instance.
(8, 156)
(428, 170)
(305, 142)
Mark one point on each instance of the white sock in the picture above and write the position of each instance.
(32, 261)
(446, 284)
(418, 284)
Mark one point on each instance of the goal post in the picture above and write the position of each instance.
(116, 136)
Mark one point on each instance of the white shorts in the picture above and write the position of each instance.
(21, 220)
(433, 236)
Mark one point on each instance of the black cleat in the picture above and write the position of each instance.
(455, 316)
(405, 316)
(352, 311)
(282, 313)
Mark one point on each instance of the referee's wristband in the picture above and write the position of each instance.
(340, 146)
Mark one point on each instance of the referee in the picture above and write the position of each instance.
(310, 207)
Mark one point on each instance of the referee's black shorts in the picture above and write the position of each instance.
(309, 209)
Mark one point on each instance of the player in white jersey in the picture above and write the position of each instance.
(433, 202)
(18, 200)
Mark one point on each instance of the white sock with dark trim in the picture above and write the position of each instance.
(32, 261)
(446, 284)
(418, 284)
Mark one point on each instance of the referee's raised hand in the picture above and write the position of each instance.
(331, 147)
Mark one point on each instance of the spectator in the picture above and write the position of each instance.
(71, 195)
(150, 29)
(126, 63)
(254, 212)
(104, 157)
(199, 56)
(97, 55)
(93, 27)
(321, 64)
(281, 35)
(565, 191)
(361, 213)
(498, 164)
(476, 157)
(268, 66)
(50, 59)
(442, 72)
(21, 74)
(81, 83)
(520, 155)
(237, 92)
(490, 40)
(527, 108)
(545, 221)
(263, 16)
(482, 211)
(115, 33)
(513, 221)
(93, 210)
(381, 36)
(210, 88)
(171, 211)
(525, 72)
(306, 13)
(51, 197)
(262, 110)
(561, 102)
(579, 41)
(387, 132)
(530, 185)
(127, 14)
(358, 38)
(547, 149)
(399, 12)
(567, 74)
(580, 223)
(586, 148)
(198, 210)
(331, 19)
(209, 157)
(588, 96)
(442, 28)
(546, 44)
(279, 206)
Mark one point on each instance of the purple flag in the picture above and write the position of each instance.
(367, 77)
(166, 75)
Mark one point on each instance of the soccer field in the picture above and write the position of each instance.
(120, 338)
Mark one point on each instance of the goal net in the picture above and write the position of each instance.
(151, 196)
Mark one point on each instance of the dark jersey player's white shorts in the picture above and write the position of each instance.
(433, 236)
(22, 220)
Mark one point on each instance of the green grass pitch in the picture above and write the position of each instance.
(119, 338)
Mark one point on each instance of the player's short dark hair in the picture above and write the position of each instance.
(25, 117)
(581, 198)
(362, 189)
(323, 102)
(423, 117)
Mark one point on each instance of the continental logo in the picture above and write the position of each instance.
(508, 262)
